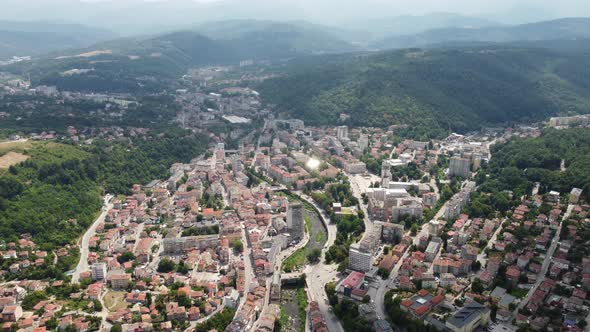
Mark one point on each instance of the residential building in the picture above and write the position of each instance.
(98, 271)
(469, 318)
(342, 132)
(575, 195)
(120, 281)
(460, 167)
(359, 259)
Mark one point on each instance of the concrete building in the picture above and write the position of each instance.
(411, 206)
(359, 259)
(295, 221)
(459, 167)
(458, 201)
(181, 244)
(432, 250)
(236, 164)
(363, 142)
(355, 167)
(220, 151)
(120, 281)
(98, 271)
(582, 120)
(469, 318)
(342, 132)
(575, 195)
(391, 233)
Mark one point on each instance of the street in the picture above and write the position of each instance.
(84, 250)
(545, 266)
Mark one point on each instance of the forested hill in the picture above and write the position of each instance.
(61, 182)
(519, 163)
(434, 90)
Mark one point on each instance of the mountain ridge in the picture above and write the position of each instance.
(564, 28)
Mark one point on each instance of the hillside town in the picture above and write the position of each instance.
(283, 224)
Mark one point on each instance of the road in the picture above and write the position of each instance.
(331, 228)
(84, 250)
(193, 324)
(545, 266)
(359, 185)
(320, 274)
(482, 257)
(248, 270)
(281, 257)
(258, 142)
(388, 284)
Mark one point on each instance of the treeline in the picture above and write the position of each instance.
(53, 196)
(433, 91)
(150, 111)
(120, 165)
(518, 164)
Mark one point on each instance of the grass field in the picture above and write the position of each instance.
(16, 146)
(114, 301)
(296, 260)
(12, 158)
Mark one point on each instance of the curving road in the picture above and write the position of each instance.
(84, 251)
(320, 274)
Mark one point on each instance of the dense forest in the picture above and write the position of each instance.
(55, 195)
(434, 91)
(156, 112)
(519, 163)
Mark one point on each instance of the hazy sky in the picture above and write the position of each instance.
(137, 16)
(560, 7)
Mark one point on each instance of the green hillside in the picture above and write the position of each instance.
(519, 163)
(434, 90)
(61, 182)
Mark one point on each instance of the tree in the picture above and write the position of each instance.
(414, 229)
(238, 246)
(383, 273)
(476, 265)
(386, 250)
(127, 256)
(97, 305)
(343, 265)
(166, 265)
(314, 256)
(31, 299)
(477, 286)
(182, 268)
(367, 298)
(117, 328)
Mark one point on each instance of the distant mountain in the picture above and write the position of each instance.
(264, 38)
(436, 90)
(34, 38)
(561, 29)
(116, 65)
(414, 24)
(135, 17)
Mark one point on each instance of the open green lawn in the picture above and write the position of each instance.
(296, 260)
